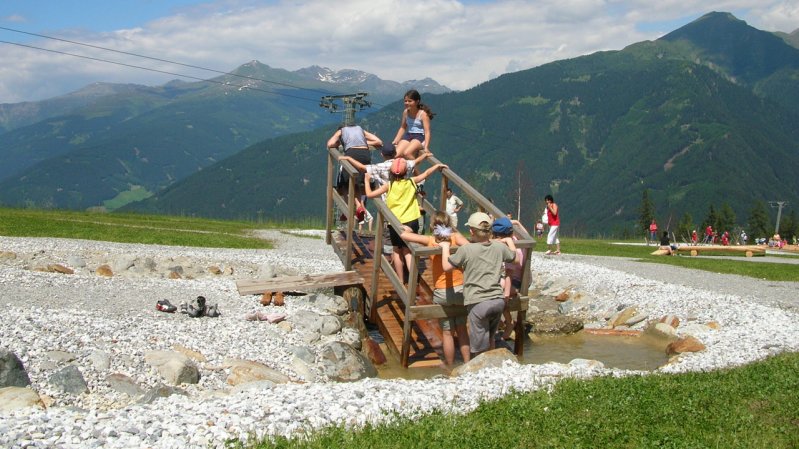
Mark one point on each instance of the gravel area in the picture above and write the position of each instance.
(82, 314)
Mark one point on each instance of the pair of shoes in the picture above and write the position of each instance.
(197, 308)
(266, 299)
(165, 306)
(279, 299)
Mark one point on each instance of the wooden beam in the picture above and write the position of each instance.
(298, 283)
(437, 311)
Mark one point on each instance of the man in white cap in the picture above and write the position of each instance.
(481, 262)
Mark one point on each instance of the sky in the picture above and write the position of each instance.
(459, 43)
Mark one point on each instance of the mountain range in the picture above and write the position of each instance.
(108, 144)
(705, 115)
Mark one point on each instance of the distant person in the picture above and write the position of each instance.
(666, 245)
(367, 220)
(653, 231)
(708, 235)
(454, 205)
(694, 238)
(553, 218)
(355, 142)
(402, 201)
(539, 228)
(447, 285)
(725, 238)
(413, 134)
(481, 262)
(744, 238)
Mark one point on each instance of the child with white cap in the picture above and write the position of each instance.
(481, 262)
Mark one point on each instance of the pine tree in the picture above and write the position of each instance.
(711, 219)
(789, 226)
(647, 212)
(685, 227)
(726, 219)
(759, 223)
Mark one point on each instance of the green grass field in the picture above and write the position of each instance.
(754, 406)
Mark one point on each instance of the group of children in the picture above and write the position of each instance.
(485, 271)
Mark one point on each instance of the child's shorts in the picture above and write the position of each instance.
(450, 297)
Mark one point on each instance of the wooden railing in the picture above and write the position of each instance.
(407, 294)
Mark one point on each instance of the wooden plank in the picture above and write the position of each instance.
(437, 311)
(298, 283)
(748, 249)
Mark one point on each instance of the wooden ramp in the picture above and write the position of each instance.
(389, 310)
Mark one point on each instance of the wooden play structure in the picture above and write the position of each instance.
(405, 314)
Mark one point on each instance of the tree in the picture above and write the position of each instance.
(759, 224)
(646, 211)
(685, 227)
(711, 219)
(789, 226)
(726, 218)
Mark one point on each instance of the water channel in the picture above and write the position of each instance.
(636, 353)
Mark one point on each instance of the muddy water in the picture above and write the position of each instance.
(635, 353)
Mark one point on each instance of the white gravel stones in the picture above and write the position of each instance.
(109, 324)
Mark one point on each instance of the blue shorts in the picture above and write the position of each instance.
(413, 136)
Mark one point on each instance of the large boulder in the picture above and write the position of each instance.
(12, 372)
(343, 363)
(548, 323)
(174, 367)
(245, 371)
(489, 359)
(69, 380)
(13, 398)
(335, 305)
(310, 322)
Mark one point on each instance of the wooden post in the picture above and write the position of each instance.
(376, 262)
(413, 277)
(444, 187)
(329, 200)
(350, 221)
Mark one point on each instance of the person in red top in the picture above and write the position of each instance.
(553, 219)
(653, 231)
(725, 238)
(708, 235)
(694, 238)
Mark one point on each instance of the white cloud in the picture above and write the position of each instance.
(458, 44)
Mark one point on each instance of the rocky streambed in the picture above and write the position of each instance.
(106, 369)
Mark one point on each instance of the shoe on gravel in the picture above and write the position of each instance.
(194, 312)
(266, 299)
(213, 311)
(279, 299)
(165, 306)
(183, 308)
